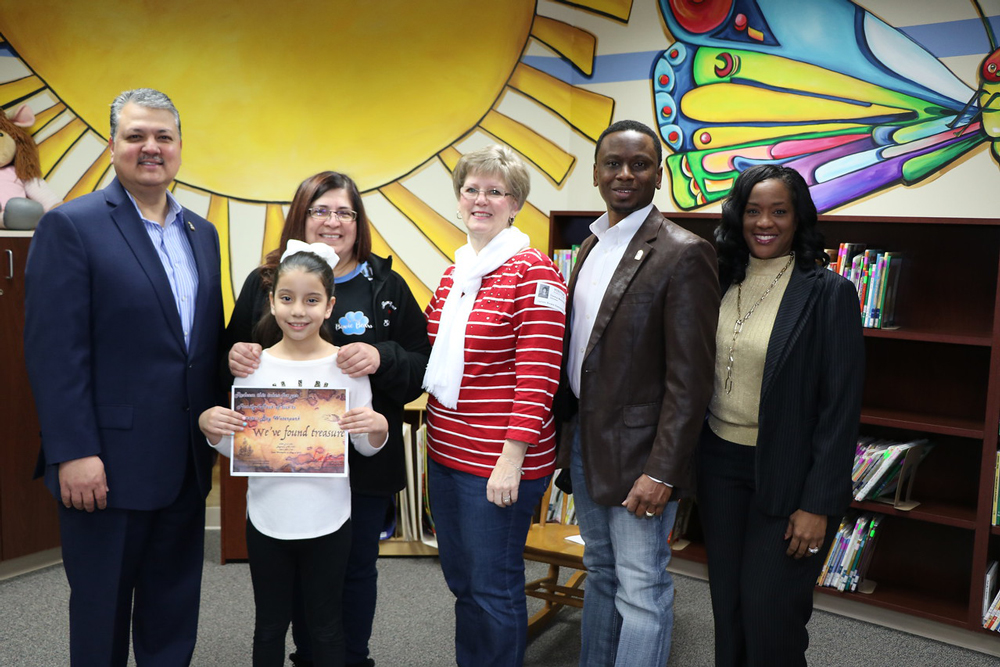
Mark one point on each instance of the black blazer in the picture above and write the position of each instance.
(810, 402)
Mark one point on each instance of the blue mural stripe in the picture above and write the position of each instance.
(954, 38)
(607, 69)
(943, 40)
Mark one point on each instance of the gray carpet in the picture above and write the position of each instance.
(414, 625)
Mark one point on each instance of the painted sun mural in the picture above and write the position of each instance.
(382, 91)
(825, 87)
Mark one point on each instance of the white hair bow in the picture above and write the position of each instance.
(321, 249)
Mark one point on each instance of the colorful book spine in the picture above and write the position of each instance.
(883, 282)
(871, 313)
(989, 586)
(864, 273)
(831, 557)
(989, 618)
(837, 551)
(866, 557)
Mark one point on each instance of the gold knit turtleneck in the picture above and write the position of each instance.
(733, 415)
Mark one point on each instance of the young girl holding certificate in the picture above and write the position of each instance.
(300, 523)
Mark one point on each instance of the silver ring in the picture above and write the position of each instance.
(813, 550)
(506, 497)
(650, 513)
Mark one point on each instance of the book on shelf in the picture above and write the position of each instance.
(996, 492)
(561, 507)
(866, 556)
(404, 512)
(878, 464)
(426, 523)
(413, 520)
(834, 254)
(844, 568)
(847, 561)
(833, 554)
(875, 274)
(870, 313)
(565, 260)
(990, 586)
(893, 270)
(846, 254)
(991, 617)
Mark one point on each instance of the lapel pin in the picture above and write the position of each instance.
(191, 227)
(638, 255)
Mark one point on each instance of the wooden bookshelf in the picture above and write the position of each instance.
(414, 414)
(937, 376)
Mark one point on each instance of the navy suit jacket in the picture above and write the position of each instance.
(105, 351)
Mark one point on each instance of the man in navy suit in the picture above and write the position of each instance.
(123, 315)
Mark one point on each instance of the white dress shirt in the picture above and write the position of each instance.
(175, 252)
(592, 282)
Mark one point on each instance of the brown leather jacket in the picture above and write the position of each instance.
(647, 375)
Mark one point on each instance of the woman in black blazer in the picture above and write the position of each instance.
(774, 465)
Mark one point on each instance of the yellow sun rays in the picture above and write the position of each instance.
(76, 160)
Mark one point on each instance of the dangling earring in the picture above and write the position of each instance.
(510, 221)
(458, 215)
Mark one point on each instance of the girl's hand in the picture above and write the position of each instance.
(244, 359)
(806, 532)
(504, 481)
(358, 359)
(366, 420)
(218, 422)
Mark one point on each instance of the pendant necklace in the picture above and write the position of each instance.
(740, 321)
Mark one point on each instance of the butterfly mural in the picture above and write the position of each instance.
(824, 87)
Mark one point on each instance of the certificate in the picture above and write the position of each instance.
(289, 432)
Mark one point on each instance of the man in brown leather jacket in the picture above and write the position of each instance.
(637, 377)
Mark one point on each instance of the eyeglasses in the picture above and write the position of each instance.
(491, 193)
(344, 215)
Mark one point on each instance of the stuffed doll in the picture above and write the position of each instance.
(24, 196)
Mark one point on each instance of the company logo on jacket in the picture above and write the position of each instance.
(353, 323)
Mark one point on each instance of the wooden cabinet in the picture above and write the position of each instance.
(936, 376)
(28, 518)
(232, 513)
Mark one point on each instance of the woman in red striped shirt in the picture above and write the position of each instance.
(496, 323)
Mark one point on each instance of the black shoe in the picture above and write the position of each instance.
(300, 661)
(367, 662)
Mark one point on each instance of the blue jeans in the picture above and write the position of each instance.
(482, 557)
(628, 609)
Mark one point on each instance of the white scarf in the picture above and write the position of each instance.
(446, 365)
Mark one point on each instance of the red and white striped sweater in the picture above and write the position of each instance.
(513, 350)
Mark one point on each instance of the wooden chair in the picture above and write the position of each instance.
(547, 543)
